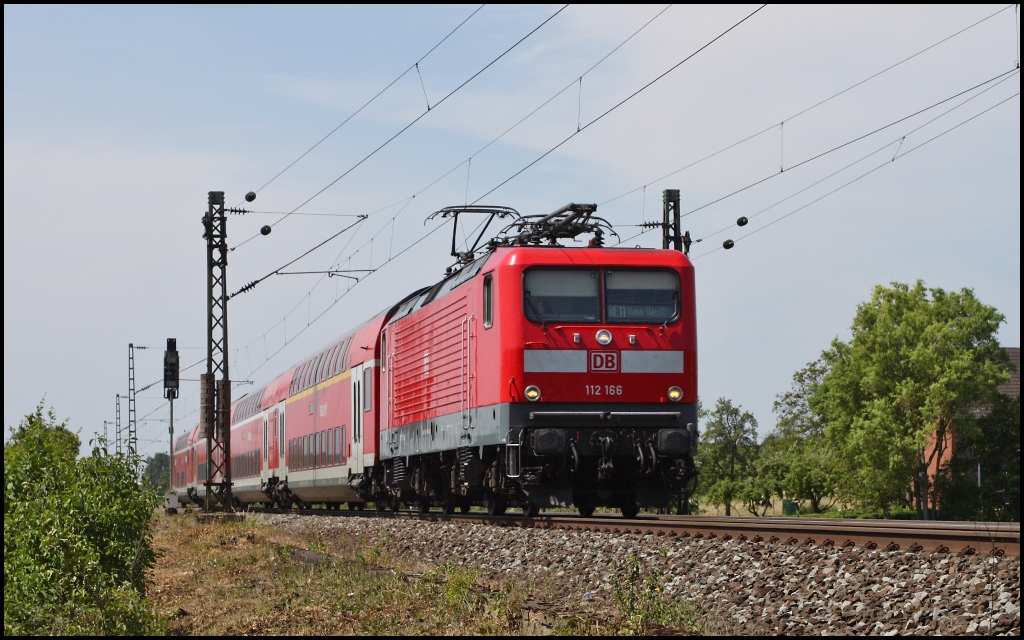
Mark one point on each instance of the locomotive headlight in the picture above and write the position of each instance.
(532, 393)
(604, 336)
(675, 394)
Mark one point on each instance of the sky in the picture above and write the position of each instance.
(866, 145)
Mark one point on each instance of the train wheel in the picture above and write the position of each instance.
(382, 506)
(448, 504)
(630, 511)
(396, 505)
(530, 510)
(423, 505)
(586, 510)
(495, 504)
(464, 507)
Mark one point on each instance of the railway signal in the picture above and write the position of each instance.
(171, 374)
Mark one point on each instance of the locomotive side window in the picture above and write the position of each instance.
(561, 295)
(633, 295)
(488, 301)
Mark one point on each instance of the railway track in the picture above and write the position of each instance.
(964, 538)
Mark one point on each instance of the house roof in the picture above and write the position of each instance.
(1012, 387)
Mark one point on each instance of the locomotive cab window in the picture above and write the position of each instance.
(644, 296)
(561, 295)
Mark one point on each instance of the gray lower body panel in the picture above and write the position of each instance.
(497, 424)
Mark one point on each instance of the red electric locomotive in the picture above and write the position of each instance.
(534, 375)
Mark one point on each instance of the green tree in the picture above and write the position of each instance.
(727, 454)
(757, 487)
(156, 472)
(918, 362)
(796, 457)
(77, 541)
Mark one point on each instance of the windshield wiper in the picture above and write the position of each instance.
(543, 325)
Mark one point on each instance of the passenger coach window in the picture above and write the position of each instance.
(367, 395)
(561, 295)
(641, 296)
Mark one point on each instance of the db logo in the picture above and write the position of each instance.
(604, 360)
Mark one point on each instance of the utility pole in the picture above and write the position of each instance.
(132, 427)
(117, 426)
(215, 414)
(671, 225)
(171, 365)
(671, 238)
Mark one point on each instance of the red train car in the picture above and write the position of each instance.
(534, 375)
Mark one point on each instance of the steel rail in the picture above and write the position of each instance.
(963, 538)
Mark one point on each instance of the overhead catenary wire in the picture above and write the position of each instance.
(249, 286)
(899, 145)
(847, 143)
(410, 124)
(866, 174)
(898, 141)
(323, 275)
(415, 65)
(810, 108)
(304, 213)
(338, 299)
(619, 104)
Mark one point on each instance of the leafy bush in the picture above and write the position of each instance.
(77, 541)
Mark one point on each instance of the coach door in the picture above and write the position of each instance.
(387, 366)
(268, 432)
(358, 410)
(270, 435)
(279, 455)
